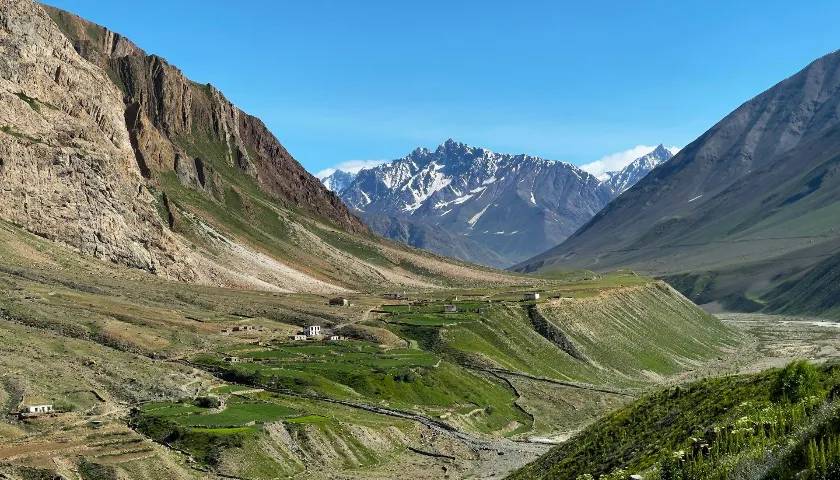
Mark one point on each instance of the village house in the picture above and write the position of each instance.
(532, 296)
(450, 309)
(240, 328)
(29, 411)
(340, 301)
(298, 337)
(313, 330)
(335, 338)
(232, 359)
(394, 295)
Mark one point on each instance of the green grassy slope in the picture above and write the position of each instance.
(247, 425)
(651, 329)
(817, 292)
(627, 327)
(751, 423)
(121, 331)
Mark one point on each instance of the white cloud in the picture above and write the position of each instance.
(350, 166)
(619, 160)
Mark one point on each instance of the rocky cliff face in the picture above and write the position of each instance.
(67, 167)
(167, 112)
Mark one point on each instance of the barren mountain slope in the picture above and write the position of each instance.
(117, 154)
(753, 200)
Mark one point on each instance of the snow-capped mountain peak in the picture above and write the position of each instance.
(338, 181)
(511, 204)
(478, 205)
(622, 180)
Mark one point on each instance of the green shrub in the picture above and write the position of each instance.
(207, 402)
(798, 380)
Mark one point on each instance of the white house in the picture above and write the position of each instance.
(34, 410)
(532, 296)
(313, 330)
(298, 337)
(335, 338)
(340, 301)
(450, 309)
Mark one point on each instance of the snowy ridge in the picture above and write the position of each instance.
(621, 180)
(338, 181)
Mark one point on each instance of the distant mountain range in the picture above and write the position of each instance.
(747, 215)
(481, 206)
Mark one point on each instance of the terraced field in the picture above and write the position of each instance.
(404, 379)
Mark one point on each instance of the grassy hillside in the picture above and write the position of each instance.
(610, 321)
(817, 292)
(769, 424)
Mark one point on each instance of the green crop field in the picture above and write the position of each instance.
(212, 435)
(410, 379)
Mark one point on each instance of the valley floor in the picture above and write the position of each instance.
(157, 380)
(770, 341)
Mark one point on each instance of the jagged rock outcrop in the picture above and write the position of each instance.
(552, 333)
(67, 167)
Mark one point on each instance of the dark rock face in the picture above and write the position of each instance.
(738, 202)
(553, 334)
(166, 112)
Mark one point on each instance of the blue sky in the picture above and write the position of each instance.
(341, 81)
